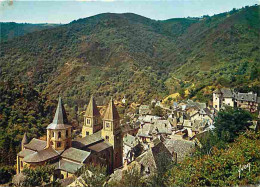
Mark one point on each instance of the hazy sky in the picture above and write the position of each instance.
(64, 11)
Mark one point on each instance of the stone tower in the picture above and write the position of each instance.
(92, 119)
(25, 140)
(217, 99)
(111, 132)
(59, 132)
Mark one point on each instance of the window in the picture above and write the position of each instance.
(21, 163)
(107, 138)
(87, 133)
(59, 134)
(216, 106)
(88, 121)
(58, 144)
(52, 134)
(107, 125)
(67, 133)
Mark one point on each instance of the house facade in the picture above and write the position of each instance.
(227, 97)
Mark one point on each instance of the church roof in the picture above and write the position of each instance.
(25, 139)
(111, 112)
(75, 154)
(60, 120)
(25, 153)
(69, 166)
(100, 146)
(87, 140)
(41, 156)
(92, 109)
(36, 145)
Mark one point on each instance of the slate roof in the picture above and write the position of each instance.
(251, 97)
(129, 140)
(162, 127)
(145, 130)
(183, 148)
(111, 112)
(36, 145)
(87, 140)
(69, 166)
(75, 154)
(151, 158)
(60, 120)
(92, 109)
(227, 92)
(25, 153)
(100, 146)
(41, 156)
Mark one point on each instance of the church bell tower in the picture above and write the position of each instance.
(59, 132)
(111, 132)
(92, 119)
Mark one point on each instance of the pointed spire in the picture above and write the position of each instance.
(111, 111)
(92, 109)
(25, 139)
(60, 119)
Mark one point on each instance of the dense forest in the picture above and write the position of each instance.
(10, 30)
(130, 55)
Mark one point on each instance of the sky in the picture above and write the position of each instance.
(65, 11)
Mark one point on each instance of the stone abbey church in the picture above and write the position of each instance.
(101, 143)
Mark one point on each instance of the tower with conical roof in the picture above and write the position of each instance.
(92, 119)
(25, 140)
(59, 132)
(111, 132)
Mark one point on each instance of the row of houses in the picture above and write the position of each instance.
(228, 97)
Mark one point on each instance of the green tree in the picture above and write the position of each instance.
(6, 173)
(37, 176)
(157, 111)
(230, 122)
(254, 73)
(182, 93)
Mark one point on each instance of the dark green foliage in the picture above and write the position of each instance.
(11, 30)
(6, 174)
(157, 111)
(38, 176)
(220, 168)
(22, 109)
(230, 122)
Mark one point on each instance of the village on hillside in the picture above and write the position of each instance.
(153, 133)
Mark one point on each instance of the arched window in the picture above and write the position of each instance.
(52, 134)
(59, 134)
